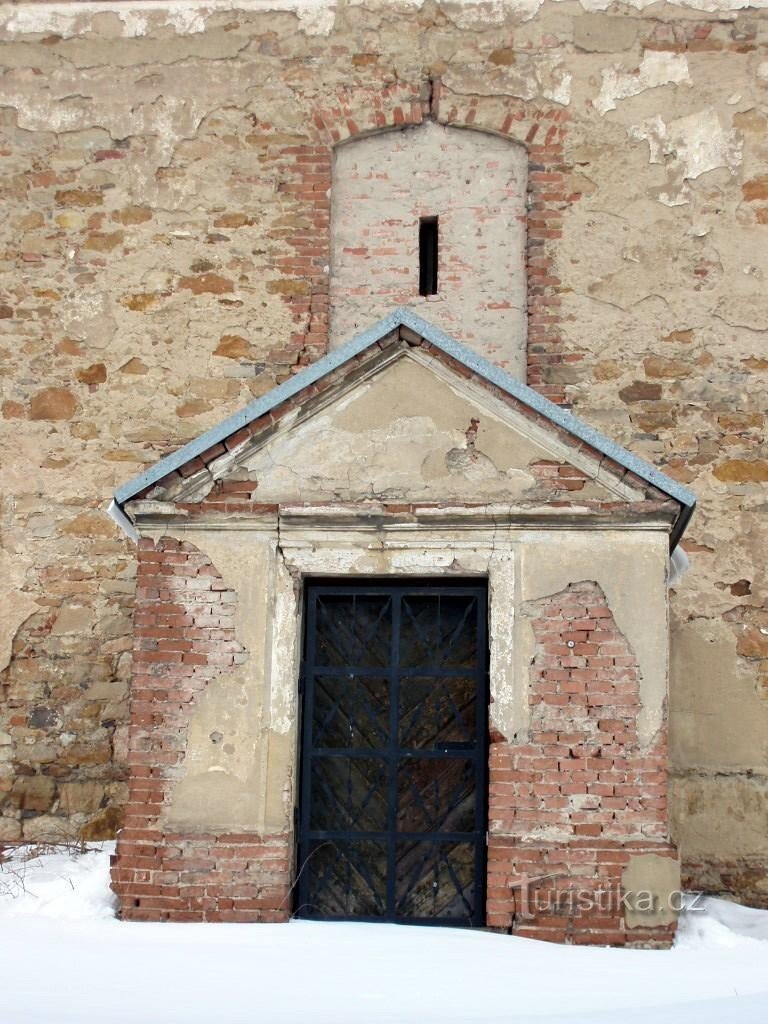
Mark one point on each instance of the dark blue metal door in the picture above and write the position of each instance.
(392, 821)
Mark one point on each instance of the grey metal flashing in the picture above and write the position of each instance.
(402, 317)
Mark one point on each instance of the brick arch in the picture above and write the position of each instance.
(305, 171)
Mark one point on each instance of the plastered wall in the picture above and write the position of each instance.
(159, 267)
(239, 768)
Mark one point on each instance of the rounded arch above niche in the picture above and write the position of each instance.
(385, 187)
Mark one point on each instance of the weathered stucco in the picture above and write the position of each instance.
(338, 495)
(652, 885)
(718, 743)
(407, 434)
(242, 740)
(152, 280)
(222, 783)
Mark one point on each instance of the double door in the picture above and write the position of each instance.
(392, 821)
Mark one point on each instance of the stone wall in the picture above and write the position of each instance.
(166, 256)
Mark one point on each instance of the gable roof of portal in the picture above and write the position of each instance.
(475, 364)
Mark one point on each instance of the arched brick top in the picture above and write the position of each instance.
(472, 185)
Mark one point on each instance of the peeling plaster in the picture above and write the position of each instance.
(222, 784)
(656, 69)
(558, 86)
(316, 17)
(688, 147)
(16, 605)
(371, 444)
(657, 305)
(632, 575)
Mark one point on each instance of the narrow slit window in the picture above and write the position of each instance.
(428, 256)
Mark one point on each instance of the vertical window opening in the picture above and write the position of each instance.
(428, 256)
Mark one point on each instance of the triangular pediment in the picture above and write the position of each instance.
(402, 416)
(410, 431)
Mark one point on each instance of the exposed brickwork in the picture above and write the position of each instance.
(573, 893)
(474, 183)
(558, 476)
(163, 876)
(305, 173)
(184, 638)
(581, 794)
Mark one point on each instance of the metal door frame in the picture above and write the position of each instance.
(395, 587)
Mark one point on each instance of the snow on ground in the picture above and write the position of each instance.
(64, 959)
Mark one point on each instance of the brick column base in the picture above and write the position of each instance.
(572, 892)
(173, 877)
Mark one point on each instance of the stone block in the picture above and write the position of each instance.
(33, 793)
(604, 33)
(10, 830)
(53, 404)
(76, 797)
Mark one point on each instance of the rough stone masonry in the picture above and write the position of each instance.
(166, 256)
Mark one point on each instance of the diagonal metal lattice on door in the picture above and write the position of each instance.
(392, 820)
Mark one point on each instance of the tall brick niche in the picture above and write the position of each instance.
(474, 185)
(569, 810)
(184, 636)
(306, 172)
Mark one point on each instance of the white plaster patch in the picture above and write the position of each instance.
(688, 146)
(555, 82)
(468, 16)
(316, 17)
(656, 69)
